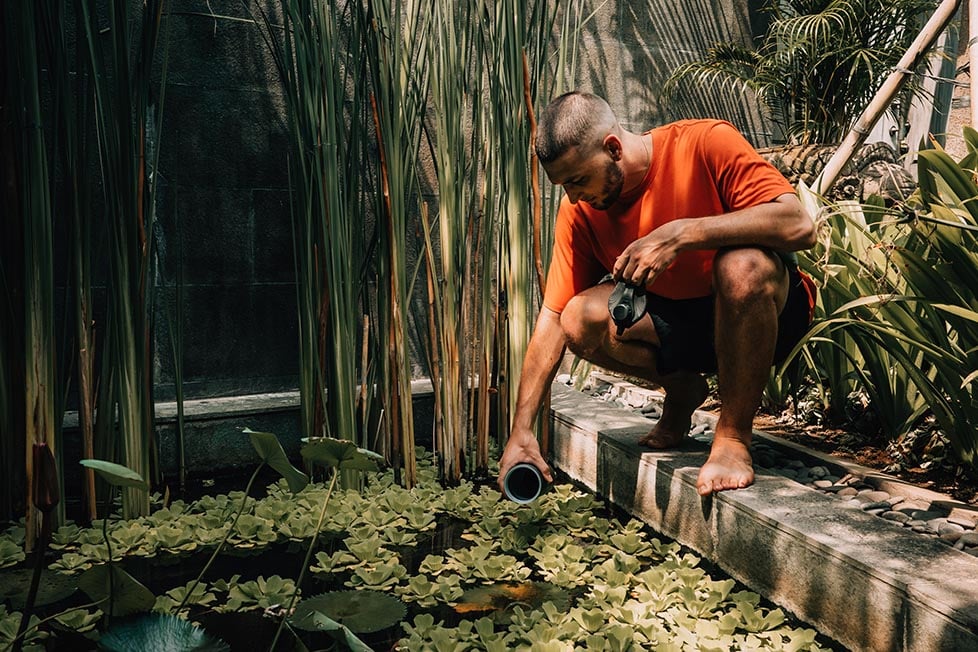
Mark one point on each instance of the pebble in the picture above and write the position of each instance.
(823, 484)
(934, 525)
(951, 536)
(899, 517)
(873, 505)
(970, 538)
(818, 472)
(848, 491)
(879, 496)
(924, 515)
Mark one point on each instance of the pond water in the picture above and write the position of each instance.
(457, 568)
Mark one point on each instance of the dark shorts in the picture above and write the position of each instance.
(685, 328)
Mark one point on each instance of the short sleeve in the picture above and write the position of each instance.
(573, 265)
(743, 177)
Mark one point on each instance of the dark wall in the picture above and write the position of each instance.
(224, 207)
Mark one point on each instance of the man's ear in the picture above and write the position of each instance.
(612, 145)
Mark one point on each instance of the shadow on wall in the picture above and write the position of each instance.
(658, 36)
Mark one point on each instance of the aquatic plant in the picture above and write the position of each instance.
(159, 632)
(607, 577)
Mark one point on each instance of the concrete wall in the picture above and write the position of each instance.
(224, 210)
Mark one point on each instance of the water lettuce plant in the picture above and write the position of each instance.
(559, 574)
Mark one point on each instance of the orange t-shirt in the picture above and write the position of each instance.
(700, 168)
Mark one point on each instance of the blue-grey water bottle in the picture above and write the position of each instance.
(523, 483)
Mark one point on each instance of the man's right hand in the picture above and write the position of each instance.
(522, 447)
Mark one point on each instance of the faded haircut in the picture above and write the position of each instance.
(572, 120)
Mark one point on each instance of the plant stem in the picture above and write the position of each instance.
(223, 542)
(305, 562)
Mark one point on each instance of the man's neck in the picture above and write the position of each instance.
(636, 159)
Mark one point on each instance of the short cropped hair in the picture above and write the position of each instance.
(571, 120)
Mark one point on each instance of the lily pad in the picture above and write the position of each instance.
(54, 587)
(270, 451)
(360, 611)
(160, 632)
(116, 475)
(341, 454)
(128, 595)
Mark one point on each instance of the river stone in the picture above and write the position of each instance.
(951, 536)
(934, 524)
(877, 496)
(848, 491)
(873, 506)
(818, 472)
(946, 527)
(794, 464)
(970, 538)
(899, 517)
(766, 459)
(823, 484)
(926, 515)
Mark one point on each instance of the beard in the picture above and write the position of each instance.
(611, 190)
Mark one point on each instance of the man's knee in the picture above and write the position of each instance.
(585, 324)
(748, 274)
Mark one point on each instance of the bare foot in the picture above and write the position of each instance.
(728, 467)
(681, 401)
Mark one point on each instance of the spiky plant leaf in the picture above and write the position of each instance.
(162, 633)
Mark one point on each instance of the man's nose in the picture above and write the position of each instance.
(573, 195)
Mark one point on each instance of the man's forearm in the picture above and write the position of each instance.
(543, 354)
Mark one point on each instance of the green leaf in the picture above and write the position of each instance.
(128, 595)
(116, 474)
(340, 454)
(361, 611)
(270, 451)
(160, 632)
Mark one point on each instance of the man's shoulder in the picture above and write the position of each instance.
(693, 125)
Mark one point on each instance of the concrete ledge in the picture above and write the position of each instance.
(859, 579)
(214, 444)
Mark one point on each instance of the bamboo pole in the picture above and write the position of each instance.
(904, 68)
